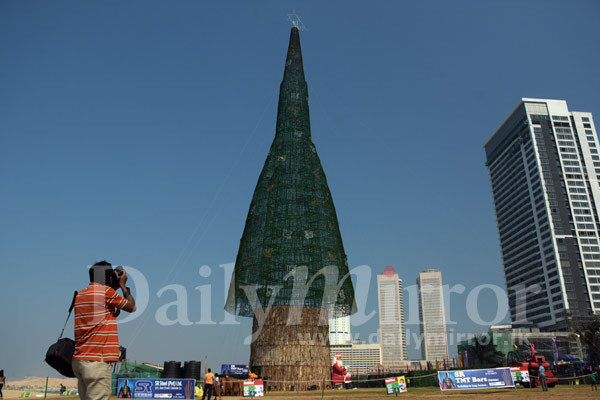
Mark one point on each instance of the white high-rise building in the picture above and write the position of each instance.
(544, 168)
(391, 317)
(432, 316)
(339, 329)
(359, 358)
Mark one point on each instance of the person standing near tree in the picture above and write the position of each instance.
(209, 380)
(217, 387)
(96, 336)
(542, 377)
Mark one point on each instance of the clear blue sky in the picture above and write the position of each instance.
(135, 132)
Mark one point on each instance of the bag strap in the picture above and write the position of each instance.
(68, 316)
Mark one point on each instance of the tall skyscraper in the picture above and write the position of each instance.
(432, 316)
(545, 168)
(391, 317)
(339, 328)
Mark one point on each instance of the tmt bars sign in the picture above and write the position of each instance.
(476, 379)
(155, 388)
(234, 369)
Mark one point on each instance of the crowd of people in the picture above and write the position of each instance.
(213, 385)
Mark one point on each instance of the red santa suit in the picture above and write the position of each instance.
(338, 371)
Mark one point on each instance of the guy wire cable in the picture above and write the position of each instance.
(173, 271)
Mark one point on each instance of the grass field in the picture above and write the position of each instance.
(559, 392)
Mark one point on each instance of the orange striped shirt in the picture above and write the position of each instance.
(96, 336)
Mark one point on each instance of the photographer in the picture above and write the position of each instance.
(96, 337)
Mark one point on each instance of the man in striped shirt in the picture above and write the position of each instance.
(96, 337)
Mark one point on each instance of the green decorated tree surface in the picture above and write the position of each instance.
(291, 268)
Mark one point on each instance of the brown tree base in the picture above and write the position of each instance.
(292, 356)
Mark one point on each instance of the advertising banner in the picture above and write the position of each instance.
(234, 369)
(155, 388)
(519, 374)
(476, 379)
(253, 388)
(395, 385)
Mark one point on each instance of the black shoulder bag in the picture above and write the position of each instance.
(60, 355)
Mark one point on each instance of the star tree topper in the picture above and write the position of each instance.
(296, 21)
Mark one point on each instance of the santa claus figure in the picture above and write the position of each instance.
(339, 376)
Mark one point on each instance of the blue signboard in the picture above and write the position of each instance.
(155, 388)
(476, 379)
(234, 369)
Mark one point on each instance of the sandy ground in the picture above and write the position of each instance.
(559, 392)
(13, 389)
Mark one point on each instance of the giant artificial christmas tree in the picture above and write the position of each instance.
(291, 269)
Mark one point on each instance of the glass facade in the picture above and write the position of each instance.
(391, 319)
(434, 345)
(546, 192)
(339, 327)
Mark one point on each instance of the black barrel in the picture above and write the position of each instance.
(171, 369)
(192, 370)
